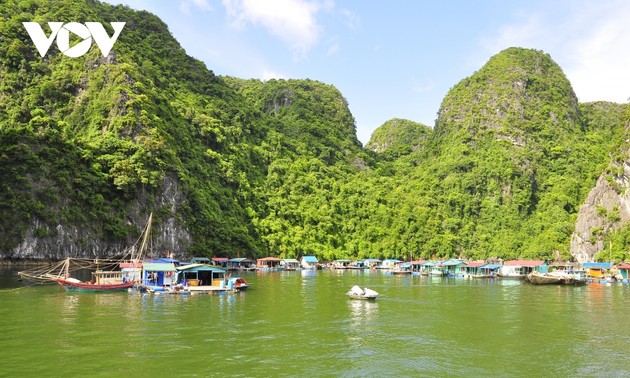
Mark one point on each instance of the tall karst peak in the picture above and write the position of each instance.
(518, 94)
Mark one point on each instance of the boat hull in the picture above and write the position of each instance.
(549, 279)
(362, 297)
(88, 287)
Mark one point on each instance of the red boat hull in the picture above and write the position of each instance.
(86, 286)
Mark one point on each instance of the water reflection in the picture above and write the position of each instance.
(308, 273)
(227, 302)
(362, 311)
(69, 308)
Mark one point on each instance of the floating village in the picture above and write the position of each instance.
(203, 275)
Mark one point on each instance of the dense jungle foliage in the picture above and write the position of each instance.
(275, 168)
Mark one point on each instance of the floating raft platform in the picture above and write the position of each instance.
(190, 290)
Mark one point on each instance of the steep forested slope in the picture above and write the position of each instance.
(507, 166)
(514, 158)
(91, 145)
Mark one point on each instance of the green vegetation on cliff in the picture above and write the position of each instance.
(104, 135)
(255, 168)
(398, 137)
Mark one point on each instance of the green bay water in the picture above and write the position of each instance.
(302, 324)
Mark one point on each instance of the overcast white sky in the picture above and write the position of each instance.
(399, 58)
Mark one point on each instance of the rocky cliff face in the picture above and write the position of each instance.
(606, 209)
(42, 242)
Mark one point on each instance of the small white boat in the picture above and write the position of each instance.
(357, 293)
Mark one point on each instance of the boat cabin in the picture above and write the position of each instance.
(106, 277)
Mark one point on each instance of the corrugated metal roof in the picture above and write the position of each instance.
(624, 266)
(452, 262)
(476, 264)
(200, 268)
(491, 266)
(417, 262)
(197, 260)
(528, 263)
(268, 259)
(291, 261)
(159, 267)
(597, 265)
(310, 259)
(240, 259)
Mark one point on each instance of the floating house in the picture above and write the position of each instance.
(489, 270)
(390, 263)
(341, 264)
(241, 263)
(431, 268)
(415, 266)
(452, 267)
(357, 264)
(201, 274)
(222, 262)
(158, 274)
(598, 270)
(200, 260)
(434, 268)
(372, 263)
(290, 264)
(268, 263)
(624, 272)
(471, 269)
(521, 268)
(309, 262)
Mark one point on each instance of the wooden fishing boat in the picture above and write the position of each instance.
(72, 284)
(400, 272)
(556, 278)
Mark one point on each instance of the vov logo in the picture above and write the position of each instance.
(61, 31)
